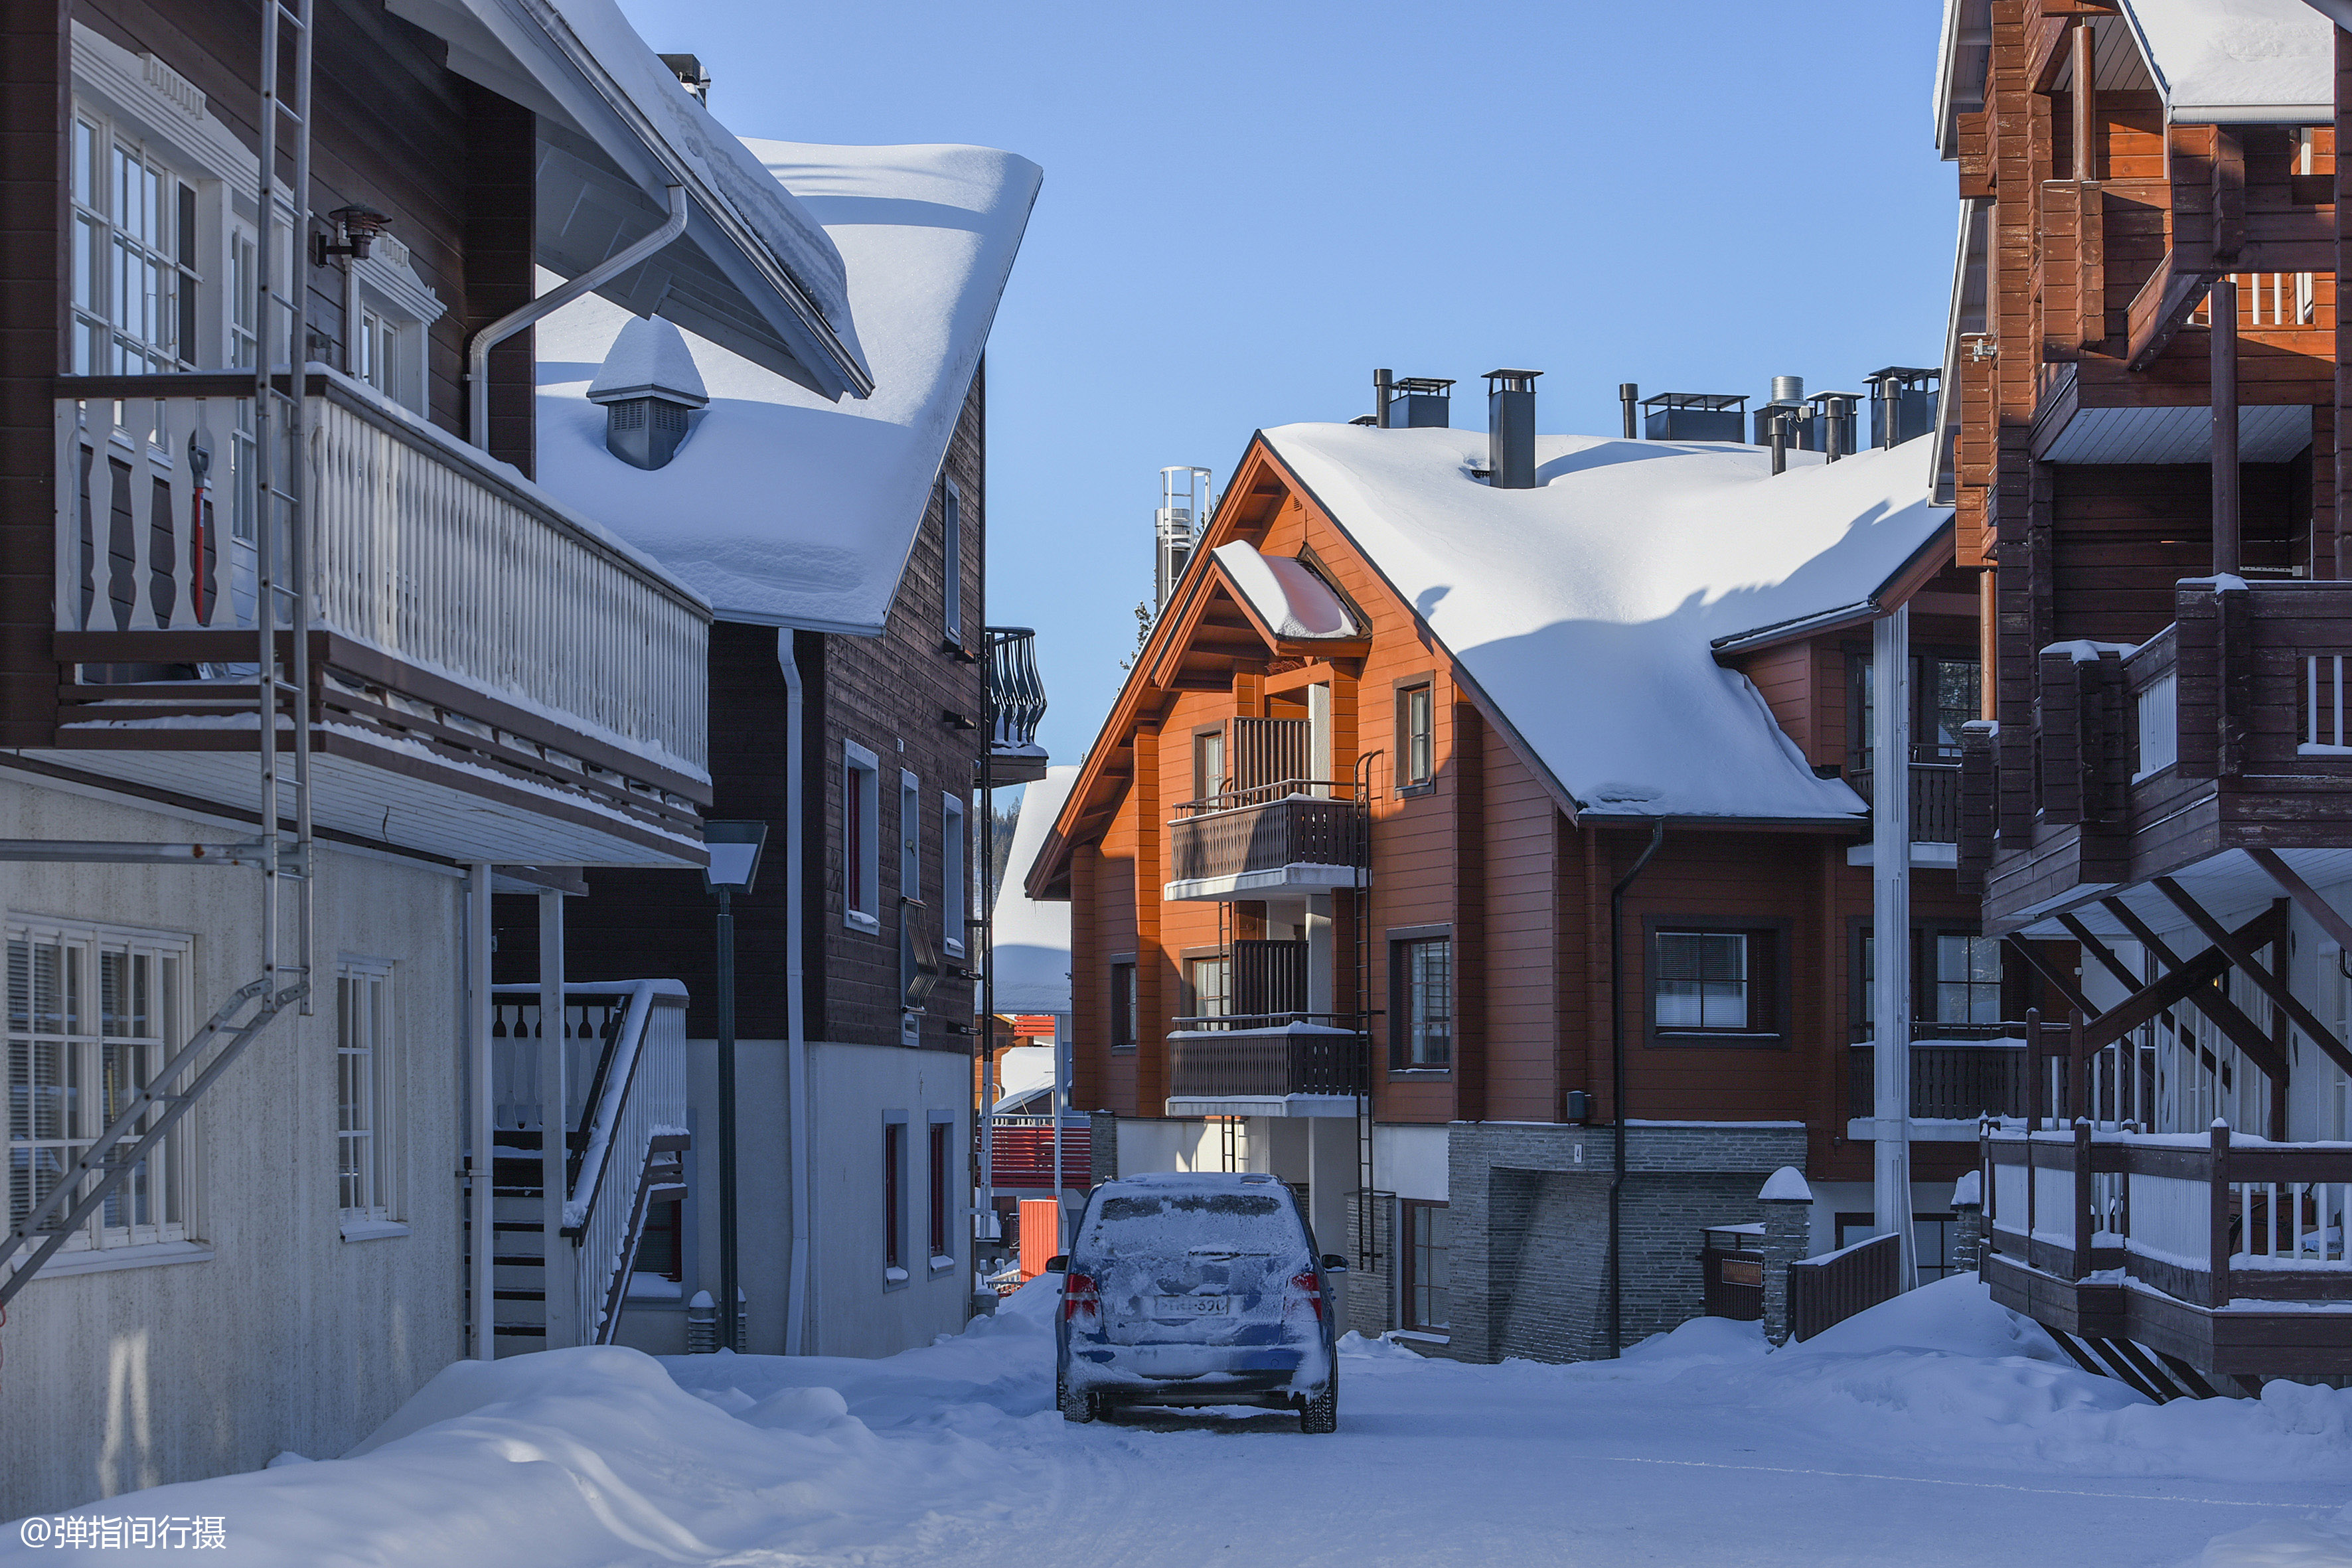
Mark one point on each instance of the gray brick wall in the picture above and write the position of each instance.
(1371, 1292)
(1530, 1238)
(1105, 1159)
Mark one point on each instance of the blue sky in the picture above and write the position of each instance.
(1248, 206)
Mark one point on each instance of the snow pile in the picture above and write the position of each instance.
(2238, 59)
(2284, 1543)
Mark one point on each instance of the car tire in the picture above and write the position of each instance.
(1076, 1406)
(1321, 1414)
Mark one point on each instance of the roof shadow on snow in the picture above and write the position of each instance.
(899, 211)
(1607, 454)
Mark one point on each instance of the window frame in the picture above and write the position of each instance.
(1193, 960)
(1208, 739)
(1771, 975)
(1924, 933)
(170, 1190)
(955, 854)
(910, 835)
(1416, 775)
(98, 236)
(894, 1201)
(951, 564)
(938, 1158)
(1401, 1052)
(1125, 997)
(861, 845)
(1410, 1285)
(380, 1184)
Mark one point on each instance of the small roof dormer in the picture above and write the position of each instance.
(648, 388)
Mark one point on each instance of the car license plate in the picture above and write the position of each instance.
(1192, 1306)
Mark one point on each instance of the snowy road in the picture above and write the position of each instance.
(1936, 1430)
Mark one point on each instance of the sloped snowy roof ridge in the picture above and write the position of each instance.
(1584, 609)
(2231, 61)
(1290, 598)
(788, 508)
(1033, 939)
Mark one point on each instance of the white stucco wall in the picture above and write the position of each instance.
(287, 1336)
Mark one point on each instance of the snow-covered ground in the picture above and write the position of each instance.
(1936, 1429)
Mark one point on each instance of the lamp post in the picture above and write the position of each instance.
(734, 862)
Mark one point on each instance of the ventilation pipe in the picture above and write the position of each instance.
(1511, 429)
(1383, 389)
(1834, 417)
(1628, 394)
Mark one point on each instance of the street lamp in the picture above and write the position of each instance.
(734, 862)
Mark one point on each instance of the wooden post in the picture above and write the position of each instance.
(2217, 1284)
(2034, 1076)
(2086, 46)
(2083, 1232)
(2343, 486)
(2078, 1097)
(2222, 305)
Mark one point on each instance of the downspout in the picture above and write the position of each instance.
(478, 349)
(1617, 1077)
(795, 1002)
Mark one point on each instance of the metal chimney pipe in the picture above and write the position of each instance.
(1833, 439)
(1788, 389)
(1382, 381)
(1627, 395)
(1511, 429)
(1779, 426)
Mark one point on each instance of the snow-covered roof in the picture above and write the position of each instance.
(1291, 600)
(2228, 61)
(783, 507)
(1585, 608)
(649, 358)
(1033, 937)
(754, 270)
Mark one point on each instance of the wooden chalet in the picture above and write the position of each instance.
(2144, 458)
(1342, 861)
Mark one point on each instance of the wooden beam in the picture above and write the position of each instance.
(2061, 984)
(2270, 984)
(2152, 998)
(2047, 54)
(2229, 194)
(2212, 1001)
(2223, 338)
(2162, 306)
(2306, 897)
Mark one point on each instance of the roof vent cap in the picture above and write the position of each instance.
(648, 387)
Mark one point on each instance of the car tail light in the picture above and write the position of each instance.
(1308, 1289)
(1081, 1300)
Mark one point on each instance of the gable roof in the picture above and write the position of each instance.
(753, 271)
(1585, 609)
(783, 507)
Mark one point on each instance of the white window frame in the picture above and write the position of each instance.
(370, 1199)
(166, 1196)
(387, 309)
(910, 835)
(861, 853)
(955, 854)
(164, 330)
(939, 1190)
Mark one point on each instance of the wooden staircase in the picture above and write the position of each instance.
(626, 1142)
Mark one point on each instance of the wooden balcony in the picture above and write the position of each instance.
(2222, 1252)
(2226, 729)
(1955, 1080)
(1296, 1064)
(1301, 835)
(497, 677)
(1935, 799)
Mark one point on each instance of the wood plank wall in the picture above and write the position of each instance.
(33, 267)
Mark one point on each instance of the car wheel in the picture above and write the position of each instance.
(1321, 1414)
(1076, 1406)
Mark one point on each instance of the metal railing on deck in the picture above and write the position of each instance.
(1935, 799)
(1953, 1077)
(1016, 692)
(420, 548)
(1267, 1054)
(1296, 822)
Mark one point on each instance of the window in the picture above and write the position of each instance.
(1421, 1028)
(661, 1249)
(1966, 979)
(1122, 1006)
(861, 870)
(1210, 981)
(955, 908)
(365, 1167)
(92, 1014)
(1931, 1238)
(910, 835)
(1416, 736)
(951, 564)
(1208, 763)
(894, 1202)
(942, 1173)
(1428, 1279)
(1945, 693)
(1719, 982)
(135, 257)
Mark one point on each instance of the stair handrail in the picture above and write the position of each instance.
(616, 1071)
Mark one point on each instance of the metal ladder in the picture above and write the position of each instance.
(281, 684)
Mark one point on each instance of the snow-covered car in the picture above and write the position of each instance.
(1196, 1289)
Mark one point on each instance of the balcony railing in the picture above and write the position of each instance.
(1953, 1078)
(1021, 1152)
(1301, 833)
(1935, 799)
(420, 549)
(1266, 1055)
(1016, 693)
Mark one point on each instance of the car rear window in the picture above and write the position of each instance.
(1167, 1224)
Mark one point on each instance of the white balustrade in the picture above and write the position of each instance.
(2010, 1203)
(2054, 1197)
(2171, 1220)
(2289, 1224)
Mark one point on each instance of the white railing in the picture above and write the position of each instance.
(2289, 1224)
(2009, 1201)
(420, 548)
(2160, 725)
(2054, 1206)
(2268, 299)
(2171, 1220)
(642, 1096)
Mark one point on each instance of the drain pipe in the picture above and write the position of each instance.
(1617, 1071)
(478, 349)
(795, 1005)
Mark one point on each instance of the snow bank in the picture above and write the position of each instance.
(2284, 1543)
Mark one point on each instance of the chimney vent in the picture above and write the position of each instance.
(1902, 404)
(1694, 416)
(1628, 393)
(649, 388)
(1786, 417)
(1511, 429)
(1411, 402)
(1830, 427)
(1183, 501)
(690, 76)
